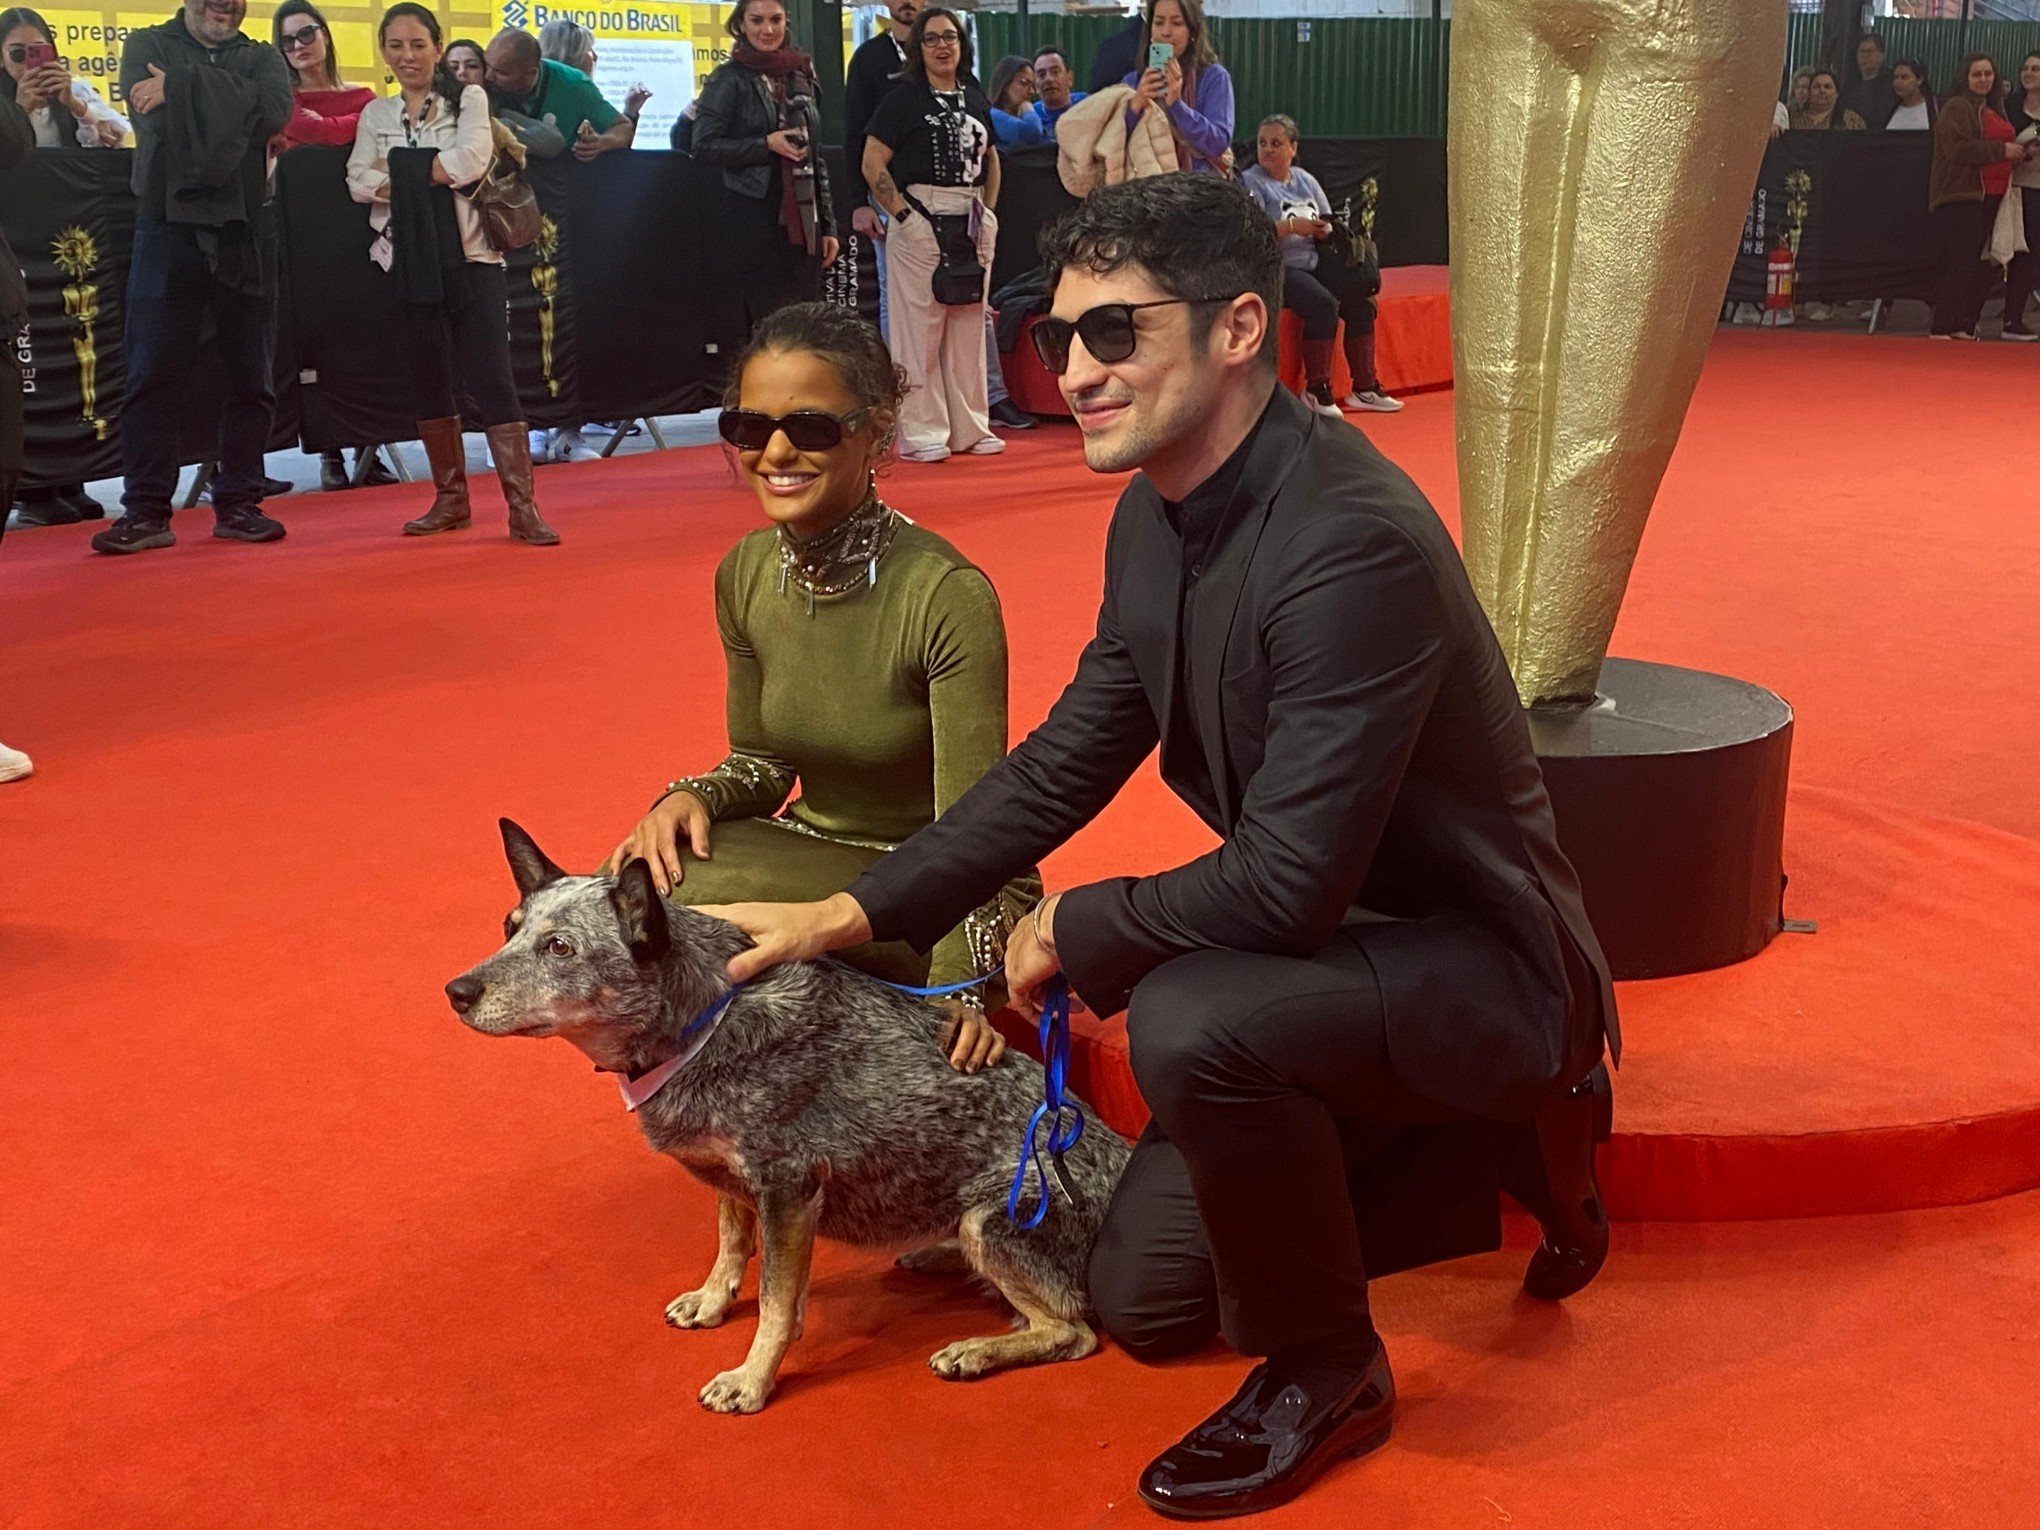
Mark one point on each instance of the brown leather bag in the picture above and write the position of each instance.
(504, 198)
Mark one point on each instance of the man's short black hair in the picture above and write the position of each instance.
(1199, 237)
(1044, 50)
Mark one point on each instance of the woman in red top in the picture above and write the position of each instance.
(1974, 153)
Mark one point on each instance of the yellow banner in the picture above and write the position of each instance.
(670, 48)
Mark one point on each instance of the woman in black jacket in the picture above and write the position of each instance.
(759, 121)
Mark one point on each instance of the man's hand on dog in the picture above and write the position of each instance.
(972, 1042)
(791, 932)
(656, 839)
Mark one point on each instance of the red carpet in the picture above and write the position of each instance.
(285, 1245)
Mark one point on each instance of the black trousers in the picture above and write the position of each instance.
(2022, 277)
(1965, 274)
(170, 289)
(1269, 1078)
(1321, 300)
(761, 266)
(472, 351)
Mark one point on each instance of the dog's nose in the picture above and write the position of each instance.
(462, 992)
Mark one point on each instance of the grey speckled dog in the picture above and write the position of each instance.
(817, 1101)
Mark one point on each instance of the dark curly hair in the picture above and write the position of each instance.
(1199, 237)
(842, 339)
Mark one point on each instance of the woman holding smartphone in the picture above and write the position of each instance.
(759, 122)
(1184, 78)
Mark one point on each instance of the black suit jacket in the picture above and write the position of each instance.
(1361, 750)
(17, 141)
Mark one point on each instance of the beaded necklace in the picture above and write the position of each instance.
(841, 558)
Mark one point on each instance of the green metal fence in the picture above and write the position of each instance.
(1342, 77)
(1383, 77)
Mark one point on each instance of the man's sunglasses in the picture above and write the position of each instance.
(1107, 331)
(298, 41)
(810, 430)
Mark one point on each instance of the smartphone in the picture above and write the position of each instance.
(38, 55)
(1159, 55)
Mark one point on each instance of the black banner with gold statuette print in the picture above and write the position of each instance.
(1852, 209)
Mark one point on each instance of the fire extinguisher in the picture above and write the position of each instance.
(1779, 270)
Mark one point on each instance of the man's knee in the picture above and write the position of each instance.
(1154, 1306)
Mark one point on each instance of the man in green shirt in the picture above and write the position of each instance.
(555, 93)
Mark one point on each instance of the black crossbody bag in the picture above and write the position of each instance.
(959, 279)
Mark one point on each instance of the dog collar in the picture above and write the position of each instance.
(641, 1087)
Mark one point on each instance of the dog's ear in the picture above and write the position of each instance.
(528, 864)
(641, 912)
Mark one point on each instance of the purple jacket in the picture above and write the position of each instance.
(1206, 127)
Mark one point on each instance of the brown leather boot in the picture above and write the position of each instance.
(510, 445)
(443, 449)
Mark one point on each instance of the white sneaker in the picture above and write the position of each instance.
(991, 446)
(14, 764)
(1373, 401)
(570, 446)
(541, 447)
(926, 454)
(1820, 313)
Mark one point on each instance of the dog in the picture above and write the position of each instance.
(813, 1100)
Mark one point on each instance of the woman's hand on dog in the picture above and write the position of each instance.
(656, 840)
(972, 1041)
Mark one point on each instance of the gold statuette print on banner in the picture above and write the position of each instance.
(545, 277)
(1602, 155)
(75, 254)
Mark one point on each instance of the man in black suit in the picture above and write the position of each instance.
(1387, 943)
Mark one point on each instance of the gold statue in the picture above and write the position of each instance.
(1602, 158)
(545, 277)
(77, 255)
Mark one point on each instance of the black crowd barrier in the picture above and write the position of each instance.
(1855, 205)
(615, 313)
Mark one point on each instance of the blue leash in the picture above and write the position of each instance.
(1065, 1119)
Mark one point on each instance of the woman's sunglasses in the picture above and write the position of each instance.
(810, 430)
(1107, 331)
(298, 41)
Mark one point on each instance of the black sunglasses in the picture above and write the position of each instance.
(294, 42)
(810, 430)
(1107, 331)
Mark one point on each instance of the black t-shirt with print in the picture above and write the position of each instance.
(938, 138)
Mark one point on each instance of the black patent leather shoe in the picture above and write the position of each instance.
(1575, 1222)
(1269, 1443)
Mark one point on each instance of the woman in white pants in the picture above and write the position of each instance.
(929, 153)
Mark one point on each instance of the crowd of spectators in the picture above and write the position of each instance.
(923, 141)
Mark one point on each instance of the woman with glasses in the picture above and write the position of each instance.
(931, 164)
(63, 110)
(866, 661)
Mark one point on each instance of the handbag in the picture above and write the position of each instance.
(1353, 253)
(959, 278)
(504, 198)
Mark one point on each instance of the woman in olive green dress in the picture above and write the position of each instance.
(867, 667)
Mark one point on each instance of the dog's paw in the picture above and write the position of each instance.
(705, 1308)
(965, 1360)
(944, 1258)
(735, 1392)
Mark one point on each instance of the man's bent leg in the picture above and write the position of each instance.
(1151, 1278)
(1252, 1064)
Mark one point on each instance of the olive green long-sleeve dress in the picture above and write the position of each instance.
(883, 705)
